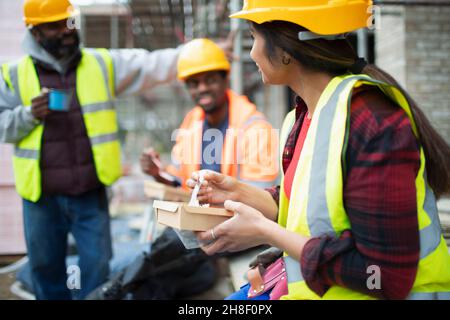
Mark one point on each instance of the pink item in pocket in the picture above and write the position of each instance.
(274, 278)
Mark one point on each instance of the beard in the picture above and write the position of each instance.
(210, 109)
(59, 50)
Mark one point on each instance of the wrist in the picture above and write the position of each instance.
(239, 190)
(31, 117)
(158, 177)
(267, 228)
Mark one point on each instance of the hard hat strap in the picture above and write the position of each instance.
(308, 35)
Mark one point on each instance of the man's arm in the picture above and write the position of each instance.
(136, 70)
(151, 165)
(139, 69)
(16, 121)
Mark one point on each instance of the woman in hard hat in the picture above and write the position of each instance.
(356, 210)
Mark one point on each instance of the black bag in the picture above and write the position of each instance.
(169, 271)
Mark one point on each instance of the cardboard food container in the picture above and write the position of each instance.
(183, 217)
(160, 191)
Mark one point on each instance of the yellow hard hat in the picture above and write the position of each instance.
(201, 55)
(44, 11)
(325, 17)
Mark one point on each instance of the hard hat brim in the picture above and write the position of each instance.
(207, 68)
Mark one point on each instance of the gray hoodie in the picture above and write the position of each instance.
(135, 70)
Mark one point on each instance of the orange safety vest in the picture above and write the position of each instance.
(250, 149)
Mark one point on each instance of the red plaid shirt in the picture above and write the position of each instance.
(382, 162)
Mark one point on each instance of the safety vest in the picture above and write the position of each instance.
(316, 204)
(249, 152)
(95, 92)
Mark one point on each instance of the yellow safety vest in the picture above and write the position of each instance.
(95, 92)
(316, 204)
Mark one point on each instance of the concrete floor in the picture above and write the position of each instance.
(6, 280)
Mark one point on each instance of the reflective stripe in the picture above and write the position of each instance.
(11, 76)
(286, 129)
(429, 296)
(26, 153)
(293, 270)
(7, 77)
(443, 295)
(14, 76)
(319, 221)
(104, 138)
(430, 236)
(97, 107)
(105, 72)
(109, 64)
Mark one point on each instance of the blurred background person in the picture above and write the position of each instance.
(224, 132)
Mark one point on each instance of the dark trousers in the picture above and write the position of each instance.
(47, 224)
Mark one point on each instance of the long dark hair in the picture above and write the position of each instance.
(336, 57)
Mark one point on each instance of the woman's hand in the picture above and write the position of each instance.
(248, 228)
(216, 187)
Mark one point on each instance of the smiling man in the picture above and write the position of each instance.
(224, 132)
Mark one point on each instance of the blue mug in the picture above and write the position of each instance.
(59, 100)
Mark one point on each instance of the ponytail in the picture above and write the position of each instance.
(437, 151)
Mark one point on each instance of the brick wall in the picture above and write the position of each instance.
(413, 44)
(428, 62)
(390, 42)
